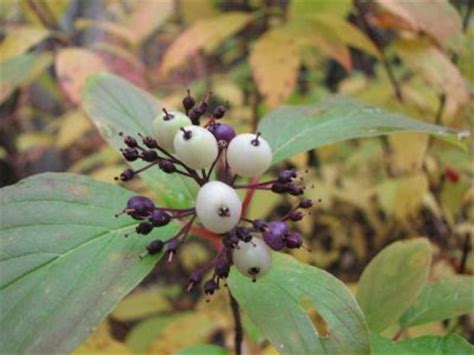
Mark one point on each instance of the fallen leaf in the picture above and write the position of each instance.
(20, 39)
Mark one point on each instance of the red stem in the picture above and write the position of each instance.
(249, 196)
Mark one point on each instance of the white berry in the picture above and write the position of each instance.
(218, 206)
(165, 127)
(196, 147)
(249, 155)
(253, 259)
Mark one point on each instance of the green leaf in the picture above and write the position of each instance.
(392, 281)
(434, 345)
(142, 335)
(64, 261)
(283, 303)
(445, 298)
(20, 70)
(115, 106)
(202, 349)
(294, 129)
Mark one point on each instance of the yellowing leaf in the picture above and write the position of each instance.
(74, 125)
(147, 16)
(302, 8)
(74, 66)
(197, 10)
(141, 304)
(437, 18)
(275, 63)
(206, 34)
(101, 342)
(20, 39)
(436, 68)
(106, 26)
(187, 330)
(347, 33)
(408, 151)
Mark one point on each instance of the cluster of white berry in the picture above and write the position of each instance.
(181, 145)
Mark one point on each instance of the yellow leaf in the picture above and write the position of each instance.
(141, 304)
(347, 33)
(106, 26)
(187, 330)
(73, 67)
(147, 16)
(101, 342)
(302, 8)
(437, 18)
(74, 125)
(275, 62)
(204, 34)
(436, 68)
(20, 39)
(408, 151)
(197, 10)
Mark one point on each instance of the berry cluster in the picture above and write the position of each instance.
(181, 145)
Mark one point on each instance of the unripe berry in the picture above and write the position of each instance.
(139, 206)
(149, 155)
(155, 246)
(218, 206)
(130, 154)
(293, 241)
(219, 112)
(159, 218)
(252, 259)
(196, 147)
(210, 286)
(165, 127)
(249, 155)
(144, 228)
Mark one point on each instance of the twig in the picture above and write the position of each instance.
(239, 332)
(465, 252)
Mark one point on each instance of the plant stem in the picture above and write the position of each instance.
(248, 197)
(465, 252)
(239, 332)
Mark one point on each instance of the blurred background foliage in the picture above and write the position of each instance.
(413, 57)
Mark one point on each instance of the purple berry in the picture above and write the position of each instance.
(260, 225)
(130, 141)
(293, 241)
(130, 154)
(167, 166)
(244, 234)
(144, 228)
(280, 188)
(222, 268)
(159, 218)
(275, 234)
(296, 216)
(139, 207)
(188, 102)
(306, 203)
(222, 132)
(286, 176)
(210, 286)
(127, 175)
(155, 246)
(219, 112)
(149, 155)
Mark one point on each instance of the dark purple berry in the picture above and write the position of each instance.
(210, 286)
(194, 116)
(167, 166)
(295, 190)
(194, 279)
(155, 246)
(280, 188)
(222, 268)
(306, 203)
(139, 207)
(149, 155)
(219, 112)
(222, 132)
(260, 225)
(296, 216)
(144, 228)
(275, 234)
(130, 141)
(188, 102)
(159, 218)
(286, 176)
(293, 241)
(244, 234)
(130, 154)
(127, 175)
(150, 142)
(230, 240)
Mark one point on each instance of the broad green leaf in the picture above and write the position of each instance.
(141, 304)
(64, 260)
(275, 75)
(448, 297)
(202, 349)
(442, 22)
(20, 39)
(434, 345)
(294, 129)
(20, 70)
(392, 281)
(115, 106)
(73, 67)
(205, 34)
(296, 302)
